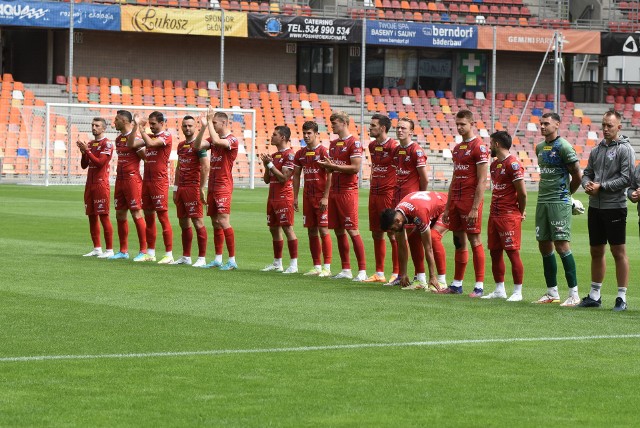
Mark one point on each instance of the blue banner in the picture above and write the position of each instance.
(56, 15)
(397, 33)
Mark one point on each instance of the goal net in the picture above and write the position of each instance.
(46, 153)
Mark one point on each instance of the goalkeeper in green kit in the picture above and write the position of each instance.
(559, 178)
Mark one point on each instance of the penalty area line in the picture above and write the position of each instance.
(214, 352)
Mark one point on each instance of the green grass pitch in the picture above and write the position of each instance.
(147, 345)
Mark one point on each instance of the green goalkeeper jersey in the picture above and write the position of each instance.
(553, 160)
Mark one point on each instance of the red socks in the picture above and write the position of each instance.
(141, 229)
(343, 249)
(478, 262)
(108, 231)
(94, 230)
(187, 238)
(230, 239)
(202, 241)
(123, 235)
(293, 249)
(439, 253)
(167, 232)
(358, 248)
(517, 269)
(497, 265)
(327, 248)
(417, 251)
(461, 258)
(315, 246)
(277, 249)
(380, 251)
(218, 240)
(150, 220)
(394, 256)
(292, 245)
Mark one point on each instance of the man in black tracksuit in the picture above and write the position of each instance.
(605, 179)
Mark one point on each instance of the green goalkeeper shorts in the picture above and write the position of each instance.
(553, 222)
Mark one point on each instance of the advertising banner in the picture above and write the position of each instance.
(537, 40)
(613, 44)
(150, 19)
(304, 28)
(56, 15)
(422, 35)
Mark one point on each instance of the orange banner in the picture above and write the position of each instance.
(537, 40)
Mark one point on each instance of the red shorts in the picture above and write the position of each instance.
(155, 195)
(188, 202)
(218, 203)
(279, 213)
(504, 232)
(441, 223)
(343, 210)
(96, 199)
(311, 215)
(377, 204)
(458, 217)
(128, 194)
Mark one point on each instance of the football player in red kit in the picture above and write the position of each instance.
(463, 212)
(96, 156)
(315, 199)
(344, 161)
(278, 172)
(188, 193)
(506, 213)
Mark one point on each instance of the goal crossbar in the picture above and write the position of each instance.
(250, 154)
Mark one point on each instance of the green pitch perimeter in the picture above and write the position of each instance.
(124, 344)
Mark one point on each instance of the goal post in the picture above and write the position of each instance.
(66, 123)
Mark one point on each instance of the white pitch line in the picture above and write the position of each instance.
(316, 348)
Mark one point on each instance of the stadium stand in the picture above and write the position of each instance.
(492, 12)
(432, 111)
(455, 12)
(630, 21)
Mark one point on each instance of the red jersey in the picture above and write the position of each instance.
(407, 161)
(281, 191)
(504, 199)
(189, 164)
(466, 157)
(99, 173)
(222, 158)
(156, 166)
(422, 208)
(383, 174)
(315, 177)
(128, 160)
(341, 151)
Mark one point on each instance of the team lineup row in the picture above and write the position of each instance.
(400, 206)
